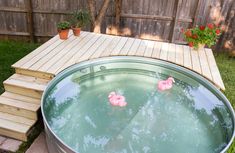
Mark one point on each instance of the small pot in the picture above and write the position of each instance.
(200, 47)
(63, 34)
(76, 31)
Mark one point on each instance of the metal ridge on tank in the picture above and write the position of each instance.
(191, 116)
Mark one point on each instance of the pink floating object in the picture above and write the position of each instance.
(117, 100)
(165, 84)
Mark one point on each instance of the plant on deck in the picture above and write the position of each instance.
(202, 35)
(79, 19)
(64, 25)
(63, 29)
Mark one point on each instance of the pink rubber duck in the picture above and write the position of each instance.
(117, 100)
(165, 84)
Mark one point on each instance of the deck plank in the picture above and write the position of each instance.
(187, 57)
(102, 48)
(195, 61)
(141, 49)
(127, 46)
(157, 49)
(214, 69)
(19, 104)
(36, 51)
(22, 128)
(16, 119)
(79, 53)
(21, 98)
(164, 51)
(109, 49)
(56, 51)
(66, 59)
(92, 49)
(44, 52)
(58, 55)
(29, 79)
(149, 49)
(204, 65)
(119, 46)
(171, 53)
(179, 55)
(134, 47)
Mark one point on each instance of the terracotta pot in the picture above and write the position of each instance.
(76, 31)
(200, 47)
(63, 34)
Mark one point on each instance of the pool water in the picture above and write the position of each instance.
(185, 119)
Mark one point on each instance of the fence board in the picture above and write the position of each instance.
(147, 19)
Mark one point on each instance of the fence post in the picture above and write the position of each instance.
(118, 5)
(196, 13)
(30, 23)
(175, 19)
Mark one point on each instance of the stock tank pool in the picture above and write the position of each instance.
(191, 117)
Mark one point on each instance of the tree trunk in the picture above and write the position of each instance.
(97, 20)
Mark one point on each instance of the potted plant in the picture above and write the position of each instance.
(200, 36)
(80, 19)
(63, 29)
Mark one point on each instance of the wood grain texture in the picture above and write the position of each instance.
(179, 55)
(214, 69)
(157, 49)
(148, 19)
(67, 59)
(195, 61)
(164, 51)
(187, 57)
(59, 54)
(91, 45)
(204, 64)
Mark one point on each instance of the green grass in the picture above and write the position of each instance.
(11, 51)
(226, 66)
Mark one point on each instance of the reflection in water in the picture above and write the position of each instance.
(187, 118)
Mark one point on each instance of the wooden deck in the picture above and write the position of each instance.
(55, 55)
(21, 101)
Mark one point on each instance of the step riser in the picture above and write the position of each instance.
(34, 74)
(19, 112)
(23, 91)
(21, 98)
(13, 134)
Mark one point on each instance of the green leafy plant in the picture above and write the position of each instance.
(202, 35)
(80, 18)
(64, 25)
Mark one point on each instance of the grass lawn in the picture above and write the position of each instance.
(11, 51)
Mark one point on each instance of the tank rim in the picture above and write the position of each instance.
(145, 60)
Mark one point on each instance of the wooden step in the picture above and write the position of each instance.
(19, 108)
(38, 74)
(15, 126)
(26, 85)
(21, 98)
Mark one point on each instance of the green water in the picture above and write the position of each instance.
(185, 119)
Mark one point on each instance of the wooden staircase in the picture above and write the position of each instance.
(20, 103)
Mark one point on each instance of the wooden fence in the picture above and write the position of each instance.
(149, 19)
